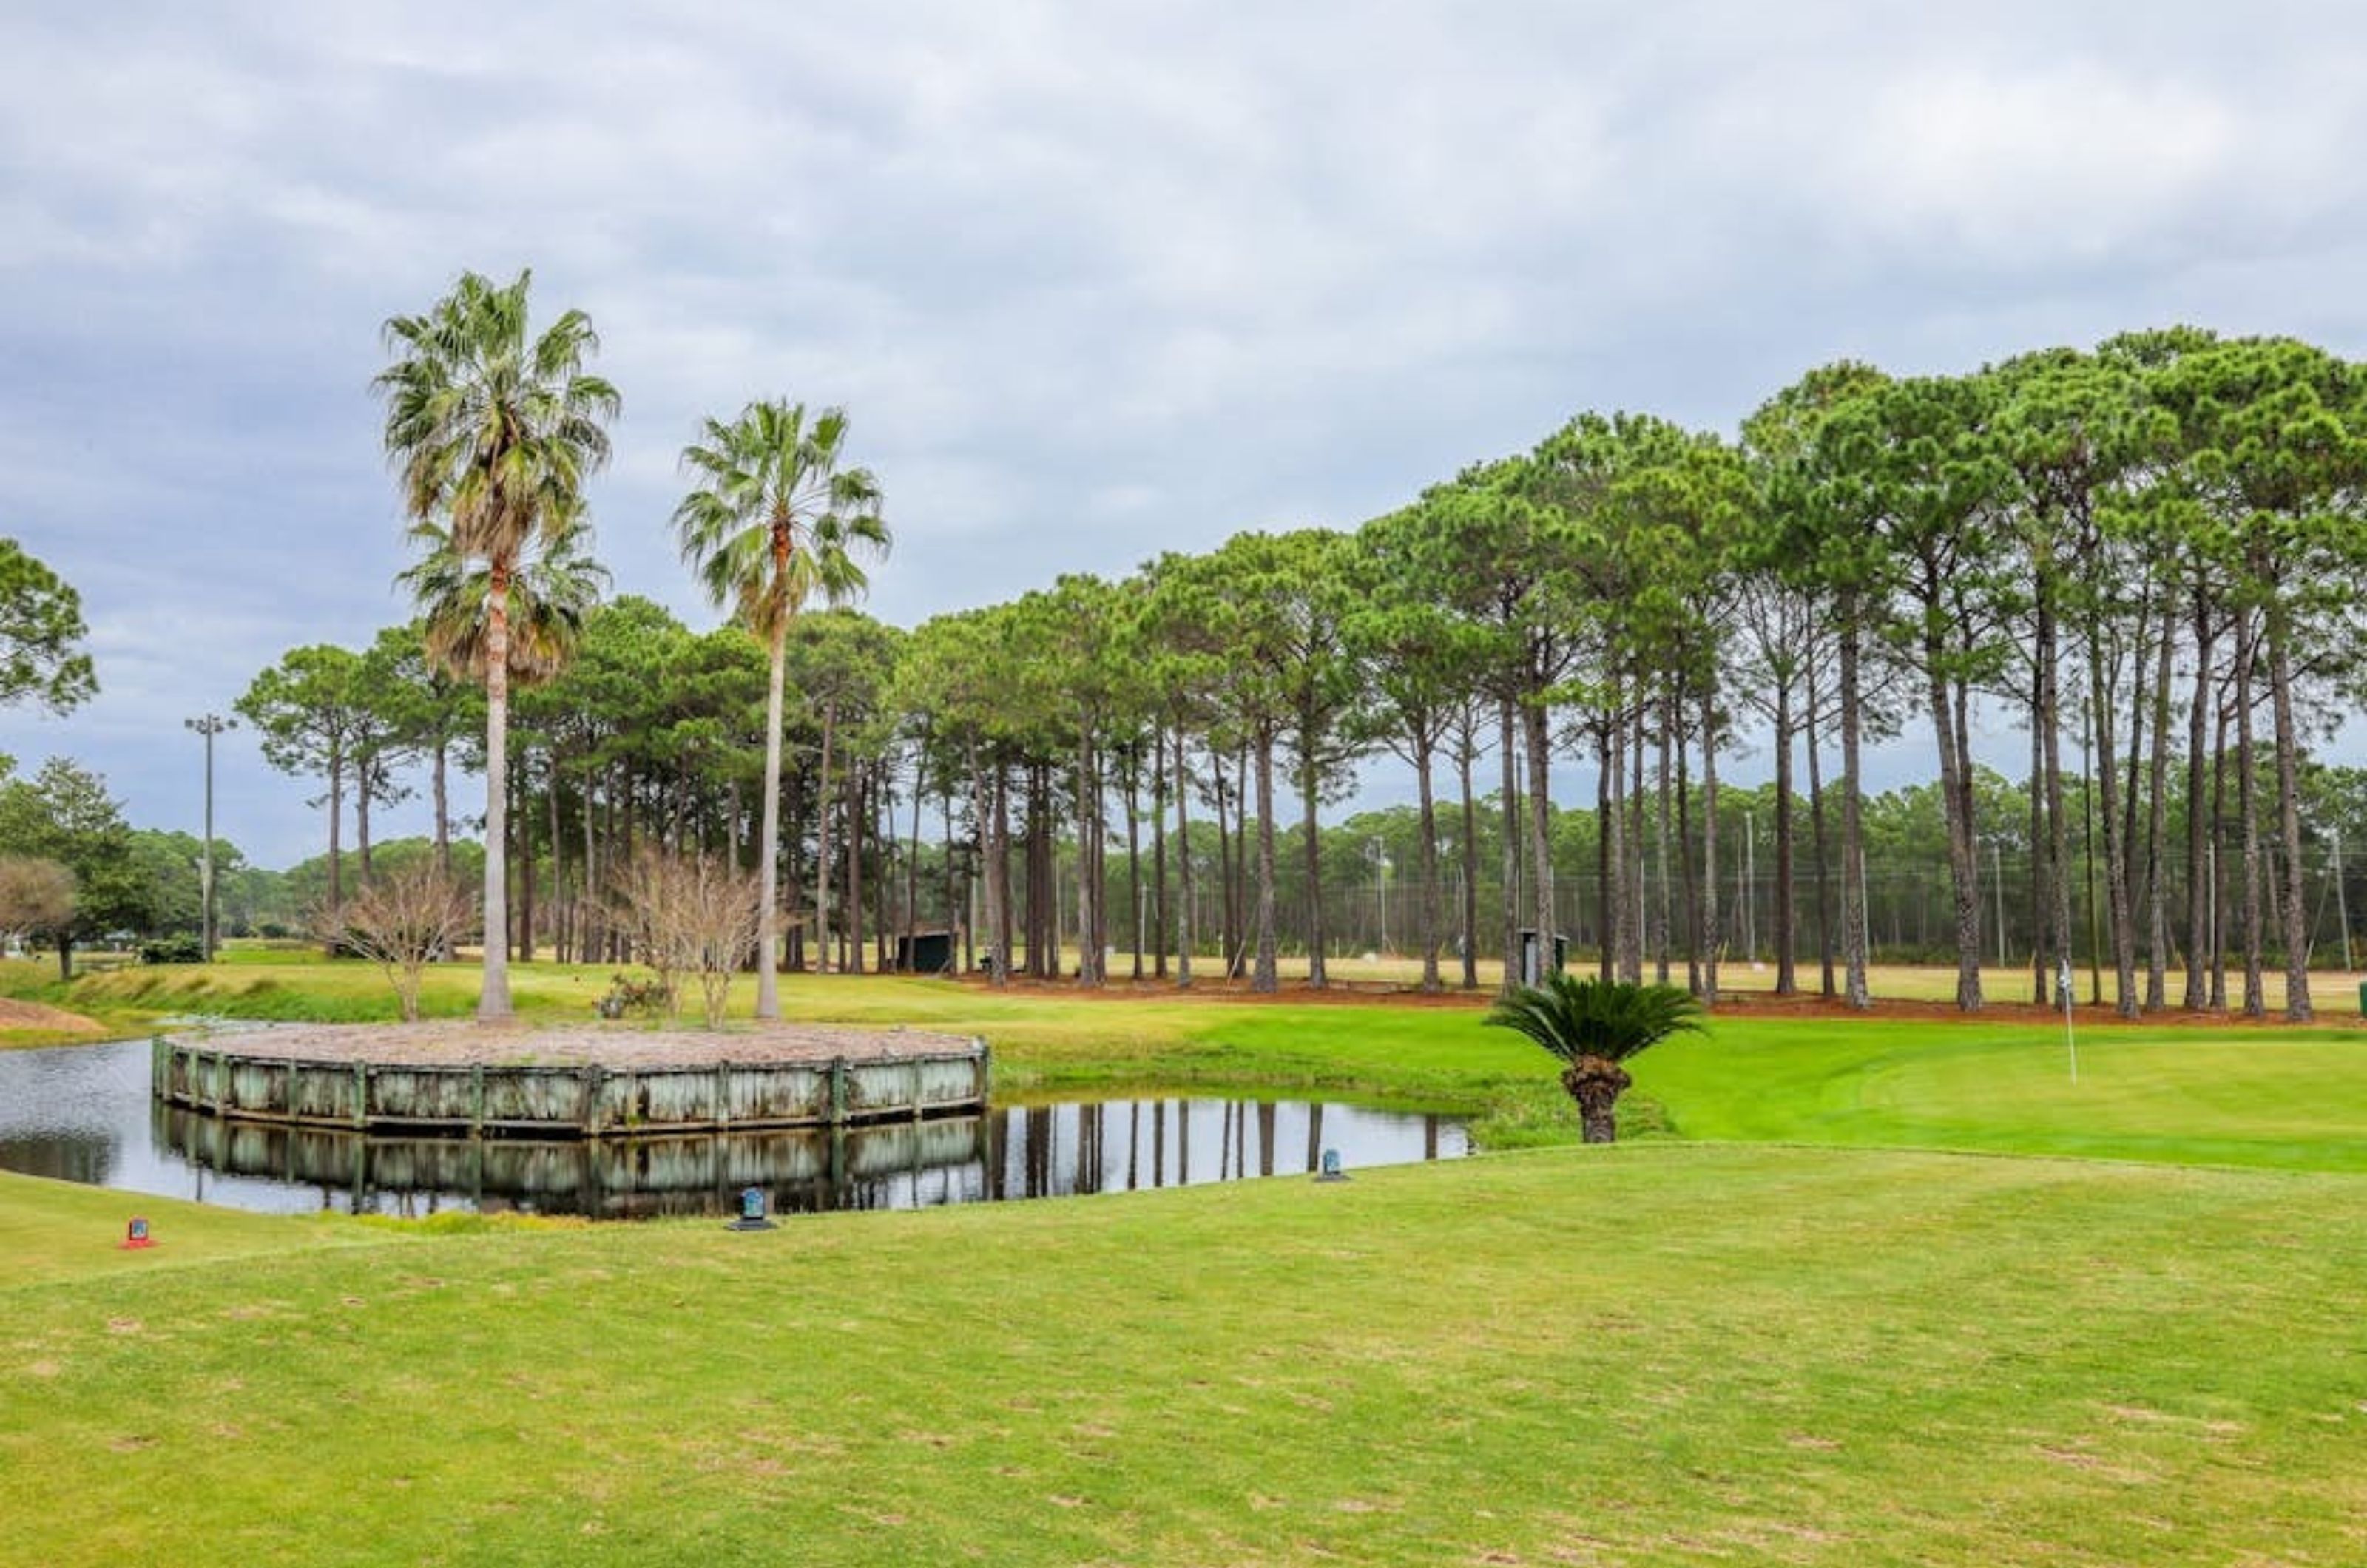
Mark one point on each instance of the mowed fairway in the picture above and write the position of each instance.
(1773, 1327)
(1652, 1354)
(2262, 1096)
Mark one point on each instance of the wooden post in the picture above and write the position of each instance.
(838, 1091)
(722, 1095)
(477, 1099)
(361, 1096)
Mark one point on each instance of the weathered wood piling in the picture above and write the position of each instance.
(883, 1076)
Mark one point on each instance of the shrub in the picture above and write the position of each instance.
(173, 950)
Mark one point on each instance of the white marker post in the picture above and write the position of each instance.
(2071, 1040)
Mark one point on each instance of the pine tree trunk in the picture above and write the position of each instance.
(1134, 851)
(1786, 932)
(823, 868)
(1186, 931)
(2255, 995)
(1470, 852)
(2288, 743)
(1606, 840)
(997, 833)
(2109, 784)
(1663, 890)
(2156, 827)
(1427, 860)
(2198, 829)
(1821, 863)
(1506, 730)
(1317, 976)
(1712, 933)
(1852, 824)
(1162, 924)
(1090, 964)
(1536, 724)
(1267, 977)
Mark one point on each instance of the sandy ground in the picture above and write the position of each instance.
(454, 1041)
(35, 1015)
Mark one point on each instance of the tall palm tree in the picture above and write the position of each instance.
(772, 521)
(553, 586)
(1594, 1025)
(494, 429)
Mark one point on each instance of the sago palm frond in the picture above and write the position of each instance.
(1611, 1020)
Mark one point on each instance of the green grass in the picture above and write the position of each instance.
(2296, 1099)
(2187, 1094)
(1662, 1355)
(1771, 1327)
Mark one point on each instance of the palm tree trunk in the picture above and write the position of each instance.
(493, 997)
(1596, 1084)
(768, 835)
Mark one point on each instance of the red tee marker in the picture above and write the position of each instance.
(136, 1236)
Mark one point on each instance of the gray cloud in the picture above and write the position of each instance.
(1096, 281)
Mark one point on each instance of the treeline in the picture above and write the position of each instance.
(2148, 556)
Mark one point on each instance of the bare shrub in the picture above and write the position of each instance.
(692, 913)
(647, 896)
(403, 922)
(36, 896)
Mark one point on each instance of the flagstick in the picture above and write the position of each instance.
(2070, 1039)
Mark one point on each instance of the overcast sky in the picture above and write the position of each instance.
(1094, 281)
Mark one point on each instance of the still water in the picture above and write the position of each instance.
(85, 1114)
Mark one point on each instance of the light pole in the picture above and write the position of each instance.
(209, 726)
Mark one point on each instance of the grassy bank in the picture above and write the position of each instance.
(2219, 1093)
(1662, 1355)
(1697, 1348)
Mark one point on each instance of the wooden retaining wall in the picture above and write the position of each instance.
(568, 1102)
(660, 1173)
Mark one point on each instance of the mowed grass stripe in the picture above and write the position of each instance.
(2286, 1099)
(1651, 1355)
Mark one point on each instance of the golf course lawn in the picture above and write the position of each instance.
(1775, 1324)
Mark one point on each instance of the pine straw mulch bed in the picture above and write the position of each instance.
(463, 1043)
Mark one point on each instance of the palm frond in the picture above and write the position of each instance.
(1611, 1020)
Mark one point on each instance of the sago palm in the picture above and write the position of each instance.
(493, 430)
(775, 520)
(1594, 1025)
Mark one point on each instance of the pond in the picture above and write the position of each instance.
(85, 1114)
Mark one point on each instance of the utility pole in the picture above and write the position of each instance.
(2342, 905)
(209, 726)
